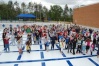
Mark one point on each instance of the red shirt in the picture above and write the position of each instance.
(6, 41)
(61, 33)
(40, 30)
(77, 35)
(73, 30)
(44, 34)
(65, 33)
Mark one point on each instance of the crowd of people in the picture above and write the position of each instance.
(74, 38)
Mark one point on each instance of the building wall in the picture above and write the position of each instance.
(87, 15)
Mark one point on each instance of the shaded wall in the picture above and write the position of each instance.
(87, 15)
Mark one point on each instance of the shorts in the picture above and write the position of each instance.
(19, 46)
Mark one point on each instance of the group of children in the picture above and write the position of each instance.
(68, 37)
(15, 37)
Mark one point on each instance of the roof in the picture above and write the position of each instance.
(26, 16)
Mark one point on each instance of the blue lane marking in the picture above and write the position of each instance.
(43, 60)
(31, 50)
(40, 46)
(42, 55)
(62, 53)
(43, 64)
(69, 63)
(19, 57)
(16, 65)
(58, 47)
(23, 48)
(93, 62)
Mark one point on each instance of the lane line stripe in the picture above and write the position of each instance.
(43, 60)
(43, 64)
(41, 47)
(69, 63)
(93, 62)
(42, 55)
(62, 52)
(19, 57)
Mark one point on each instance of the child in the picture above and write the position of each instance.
(37, 37)
(67, 41)
(29, 37)
(61, 45)
(6, 41)
(34, 37)
(70, 46)
(28, 48)
(88, 42)
(19, 45)
(47, 45)
(79, 45)
(91, 48)
(83, 46)
(3, 37)
(13, 40)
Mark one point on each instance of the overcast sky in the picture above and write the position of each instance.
(47, 3)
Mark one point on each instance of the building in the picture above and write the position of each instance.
(87, 15)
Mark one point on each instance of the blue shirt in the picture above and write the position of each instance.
(60, 37)
(67, 39)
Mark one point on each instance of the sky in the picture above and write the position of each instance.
(62, 3)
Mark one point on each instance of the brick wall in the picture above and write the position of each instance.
(87, 15)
